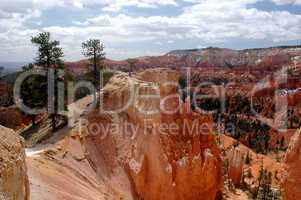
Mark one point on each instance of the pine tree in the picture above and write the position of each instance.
(132, 65)
(1, 71)
(248, 159)
(282, 143)
(34, 92)
(264, 189)
(50, 58)
(94, 50)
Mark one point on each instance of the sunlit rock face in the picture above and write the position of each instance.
(166, 152)
(14, 183)
(236, 164)
(292, 182)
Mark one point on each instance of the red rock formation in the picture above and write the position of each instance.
(165, 155)
(292, 182)
(256, 161)
(13, 172)
(236, 164)
(269, 58)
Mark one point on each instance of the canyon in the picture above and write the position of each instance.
(211, 57)
(140, 141)
(149, 166)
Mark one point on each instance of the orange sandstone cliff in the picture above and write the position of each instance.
(292, 182)
(166, 151)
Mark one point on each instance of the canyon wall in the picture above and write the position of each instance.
(14, 183)
(157, 143)
(292, 182)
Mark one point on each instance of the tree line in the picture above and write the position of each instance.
(35, 89)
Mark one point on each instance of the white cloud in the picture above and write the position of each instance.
(78, 23)
(109, 5)
(15, 21)
(204, 21)
(102, 20)
(117, 5)
(209, 21)
(283, 2)
(78, 4)
(220, 20)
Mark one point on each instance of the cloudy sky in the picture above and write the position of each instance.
(131, 28)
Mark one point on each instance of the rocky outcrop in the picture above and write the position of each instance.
(292, 182)
(166, 150)
(13, 173)
(236, 164)
(63, 172)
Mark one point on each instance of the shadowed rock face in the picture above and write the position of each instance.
(13, 172)
(292, 181)
(182, 162)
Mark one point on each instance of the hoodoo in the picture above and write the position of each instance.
(236, 164)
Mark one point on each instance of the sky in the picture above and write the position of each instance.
(132, 28)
